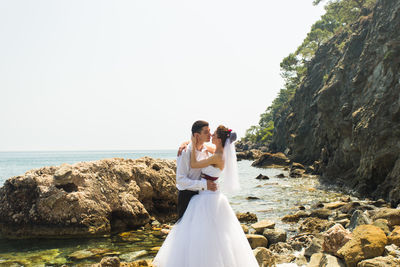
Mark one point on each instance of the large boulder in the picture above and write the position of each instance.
(368, 242)
(257, 241)
(391, 215)
(394, 237)
(380, 262)
(88, 198)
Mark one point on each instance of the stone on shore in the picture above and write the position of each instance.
(368, 242)
(261, 225)
(358, 218)
(335, 238)
(257, 241)
(391, 215)
(88, 199)
(246, 217)
(323, 259)
(380, 262)
(394, 237)
(275, 235)
(264, 257)
(268, 160)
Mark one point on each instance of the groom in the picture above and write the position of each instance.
(188, 180)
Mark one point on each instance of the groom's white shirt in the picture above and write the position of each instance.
(188, 178)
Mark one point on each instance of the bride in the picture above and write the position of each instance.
(209, 234)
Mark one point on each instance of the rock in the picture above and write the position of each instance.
(392, 250)
(323, 259)
(252, 198)
(314, 225)
(380, 262)
(88, 253)
(247, 217)
(263, 224)
(281, 248)
(87, 199)
(110, 262)
(262, 177)
(264, 257)
(131, 256)
(368, 242)
(334, 205)
(343, 222)
(394, 237)
(257, 241)
(138, 263)
(380, 203)
(281, 175)
(300, 241)
(321, 213)
(314, 247)
(275, 235)
(296, 165)
(383, 224)
(268, 160)
(295, 217)
(252, 154)
(245, 228)
(358, 218)
(391, 215)
(345, 112)
(296, 173)
(335, 238)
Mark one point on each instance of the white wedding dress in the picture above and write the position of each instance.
(208, 235)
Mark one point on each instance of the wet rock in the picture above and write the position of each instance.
(344, 222)
(87, 199)
(368, 242)
(88, 253)
(380, 262)
(245, 228)
(131, 256)
(281, 175)
(263, 224)
(247, 217)
(335, 238)
(380, 203)
(138, 263)
(358, 218)
(268, 160)
(264, 257)
(281, 248)
(252, 198)
(275, 235)
(262, 177)
(257, 241)
(394, 237)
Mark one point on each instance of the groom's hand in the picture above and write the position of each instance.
(211, 185)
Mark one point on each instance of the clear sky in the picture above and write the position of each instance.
(94, 74)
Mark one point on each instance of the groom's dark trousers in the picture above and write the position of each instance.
(184, 197)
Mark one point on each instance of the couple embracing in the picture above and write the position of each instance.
(207, 233)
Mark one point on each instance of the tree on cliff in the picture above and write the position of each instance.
(339, 14)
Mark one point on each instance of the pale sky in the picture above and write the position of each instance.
(125, 75)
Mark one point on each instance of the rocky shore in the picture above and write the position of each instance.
(88, 199)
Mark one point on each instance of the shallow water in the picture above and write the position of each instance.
(276, 198)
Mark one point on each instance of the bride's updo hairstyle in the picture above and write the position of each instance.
(224, 133)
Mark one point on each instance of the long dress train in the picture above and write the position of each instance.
(208, 235)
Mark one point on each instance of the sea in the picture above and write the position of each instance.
(269, 199)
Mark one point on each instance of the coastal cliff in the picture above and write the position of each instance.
(345, 116)
(88, 198)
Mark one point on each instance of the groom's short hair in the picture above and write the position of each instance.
(198, 125)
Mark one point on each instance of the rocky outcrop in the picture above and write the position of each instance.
(88, 198)
(345, 116)
(269, 160)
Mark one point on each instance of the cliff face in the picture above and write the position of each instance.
(346, 113)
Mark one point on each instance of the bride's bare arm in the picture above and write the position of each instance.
(210, 149)
(194, 163)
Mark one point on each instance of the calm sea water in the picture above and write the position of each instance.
(270, 199)
(17, 163)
